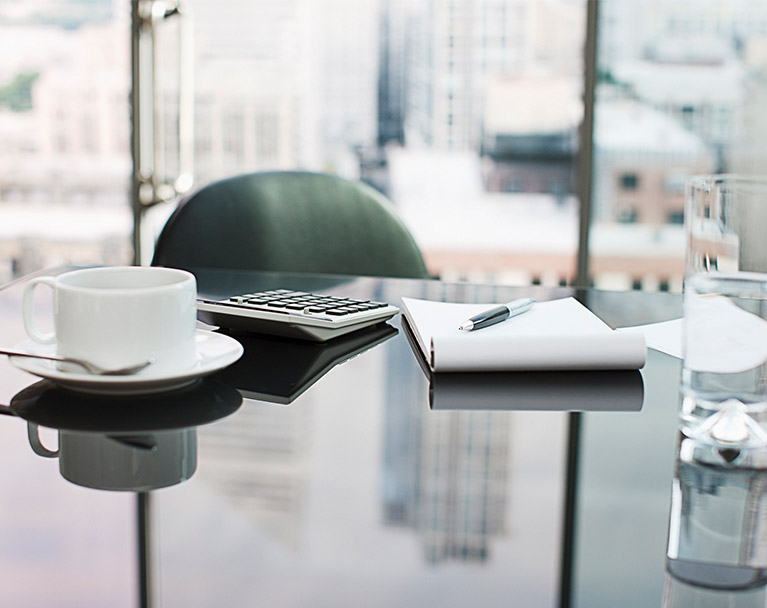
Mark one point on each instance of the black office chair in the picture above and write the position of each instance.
(290, 221)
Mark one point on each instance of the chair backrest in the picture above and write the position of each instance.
(290, 221)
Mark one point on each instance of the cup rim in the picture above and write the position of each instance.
(182, 279)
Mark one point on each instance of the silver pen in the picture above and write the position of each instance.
(498, 314)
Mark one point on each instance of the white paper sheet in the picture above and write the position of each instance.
(557, 335)
(724, 338)
(665, 336)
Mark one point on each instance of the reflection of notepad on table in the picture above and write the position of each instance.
(557, 335)
(570, 391)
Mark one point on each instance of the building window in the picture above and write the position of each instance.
(629, 181)
(627, 215)
(675, 217)
(674, 184)
(267, 128)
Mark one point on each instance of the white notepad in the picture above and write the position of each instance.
(556, 335)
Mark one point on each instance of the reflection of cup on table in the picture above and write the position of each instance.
(119, 316)
(136, 462)
(124, 442)
(725, 312)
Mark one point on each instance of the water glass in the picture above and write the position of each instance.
(724, 378)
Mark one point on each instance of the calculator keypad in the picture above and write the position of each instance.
(307, 303)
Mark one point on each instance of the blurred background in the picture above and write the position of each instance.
(503, 143)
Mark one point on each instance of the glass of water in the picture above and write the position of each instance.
(724, 377)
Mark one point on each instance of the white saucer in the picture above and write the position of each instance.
(214, 352)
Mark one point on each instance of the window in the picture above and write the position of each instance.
(64, 135)
(629, 181)
(266, 137)
(366, 89)
(674, 184)
(676, 87)
(627, 215)
(675, 217)
(431, 102)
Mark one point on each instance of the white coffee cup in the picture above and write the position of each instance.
(119, 316)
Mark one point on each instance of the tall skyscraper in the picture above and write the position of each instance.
(283, 85)
(348, 72)
(453, 45)
(392, 80)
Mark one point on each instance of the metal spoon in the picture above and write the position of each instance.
(89, 367)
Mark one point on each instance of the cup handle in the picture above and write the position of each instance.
(33, 435)
(29, 311)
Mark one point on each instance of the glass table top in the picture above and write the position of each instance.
(343, 475)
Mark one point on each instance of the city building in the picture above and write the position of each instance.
(66, 158)
(452, 46)
(642, 157)
(531, 132)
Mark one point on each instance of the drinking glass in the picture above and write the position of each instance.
(724, 378)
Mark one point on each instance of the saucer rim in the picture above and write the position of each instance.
(139, 382)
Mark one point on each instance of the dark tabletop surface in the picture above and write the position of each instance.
(306, 479)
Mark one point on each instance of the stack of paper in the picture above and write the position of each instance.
(557, 335)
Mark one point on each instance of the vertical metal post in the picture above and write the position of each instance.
(144, 548)
(567, 559)
(135, 121)
(150, 185)
(584, 171)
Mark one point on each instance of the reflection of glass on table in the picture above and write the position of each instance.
(717, 541)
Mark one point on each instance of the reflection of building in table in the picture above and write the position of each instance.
(445, 474)
(260, 464)
(463, 500)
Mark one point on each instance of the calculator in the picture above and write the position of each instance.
(295, 314)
